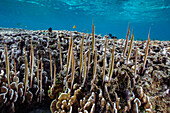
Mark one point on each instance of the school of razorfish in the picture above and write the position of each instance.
(81, 72)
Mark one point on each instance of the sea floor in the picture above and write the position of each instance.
(93, 77)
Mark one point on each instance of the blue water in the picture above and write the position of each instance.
(110, 16)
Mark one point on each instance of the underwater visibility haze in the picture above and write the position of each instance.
(110, 16)
(57, 61)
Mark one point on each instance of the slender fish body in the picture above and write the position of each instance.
(104, 58)
(88, 65)
(84, 74)
(130, 47)
(54, 73)
(112, 64)
(59, 45)
(81, 54)
(51, 68)
(69, 56)
(26, 73)
(32, 63)
(126, 43)
(15, 72)
(146, 53)
(136, 54)
(41, 80)
(95, 66)
(73, 71)
(38, 63)
(7, 64)
(93, 39)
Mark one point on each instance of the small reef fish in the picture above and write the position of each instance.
(20, 24)
(112, 37)
(74, 27)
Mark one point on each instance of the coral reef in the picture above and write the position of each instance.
(79, 72)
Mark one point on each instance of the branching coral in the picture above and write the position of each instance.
(89, 74)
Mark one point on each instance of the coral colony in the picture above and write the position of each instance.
(80, 72)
